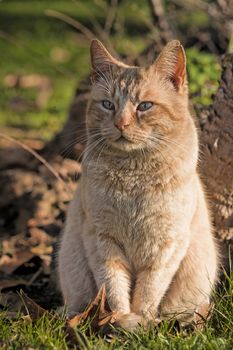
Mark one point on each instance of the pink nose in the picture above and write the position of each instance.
(122, 123)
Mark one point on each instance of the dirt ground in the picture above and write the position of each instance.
(33, 204)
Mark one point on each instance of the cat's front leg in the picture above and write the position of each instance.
(116, 277)
(154, 279)
(114, 272)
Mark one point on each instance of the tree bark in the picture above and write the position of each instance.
(217, 159)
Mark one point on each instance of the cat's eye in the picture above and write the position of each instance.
(144, 106)
(108, 105)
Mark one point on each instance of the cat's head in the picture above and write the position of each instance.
(137, 108)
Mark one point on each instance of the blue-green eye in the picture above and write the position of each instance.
(108, 105)
(144, 106)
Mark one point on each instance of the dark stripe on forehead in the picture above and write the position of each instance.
(127, 80)
(130, 75)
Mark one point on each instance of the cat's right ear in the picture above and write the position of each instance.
(101, 59)
(171, 63)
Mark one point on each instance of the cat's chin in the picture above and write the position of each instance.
(125, 145)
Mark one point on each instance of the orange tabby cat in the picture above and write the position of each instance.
(139, 222)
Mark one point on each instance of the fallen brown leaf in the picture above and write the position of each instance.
(27, 318)
(39, 236)
(32, 309)
(98, 312)
(10, 264)
(12, 283)
(12, 304)
(42, 249)
(11, 301)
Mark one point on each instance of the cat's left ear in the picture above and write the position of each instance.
(101, 59)
(172, 64)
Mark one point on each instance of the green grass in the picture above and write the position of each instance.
(48, 332)
(34, 58)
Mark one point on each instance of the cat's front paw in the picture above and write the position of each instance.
(130, 321)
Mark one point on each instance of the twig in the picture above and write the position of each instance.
(112, 11)
(35, 276)
(97, 27)
(69, 20)
(37, 156)
(161, 21)
(83, 29)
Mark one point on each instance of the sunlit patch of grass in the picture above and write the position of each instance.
(28, 57)
(49, 332)
(45, 333)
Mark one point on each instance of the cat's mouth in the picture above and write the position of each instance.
(124, 143)
(123, 139)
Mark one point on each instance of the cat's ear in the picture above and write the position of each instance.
(172, 64)
(101, 59)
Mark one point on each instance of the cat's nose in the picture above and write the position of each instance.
(122, 123)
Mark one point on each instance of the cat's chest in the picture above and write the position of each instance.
(128, 183)
(127, 198)
(129, 213)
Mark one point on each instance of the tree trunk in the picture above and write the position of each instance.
(217, 160)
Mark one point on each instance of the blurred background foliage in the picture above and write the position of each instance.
(43, 58)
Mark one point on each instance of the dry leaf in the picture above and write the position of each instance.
(10, 264)
(42, 249)
(34, 310)
(39, 236)
(27, 318)
(12, 283)
(98, 312)
(13, 304)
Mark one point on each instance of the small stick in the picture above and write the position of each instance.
(74, 23)
(37, 156)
